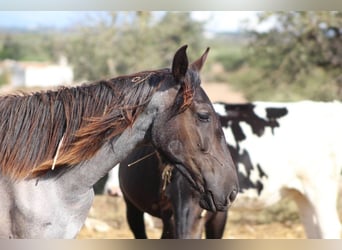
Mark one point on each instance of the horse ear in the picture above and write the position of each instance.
(197, 65)
(180, 63)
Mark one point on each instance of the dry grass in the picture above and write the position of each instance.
(276, 222)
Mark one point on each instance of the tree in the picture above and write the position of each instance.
(298, 42)
(176, 29)
(299, 57)
(10, 48)
(122, 43)
(31, 46)
(90, 47)
(109, 44)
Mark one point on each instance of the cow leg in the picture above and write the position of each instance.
(215, 225)
(318, 211)
(324, 201)
(135, 219)
(307, 215)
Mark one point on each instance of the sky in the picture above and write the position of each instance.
(217, 21)
(34, 19)
(222, 21)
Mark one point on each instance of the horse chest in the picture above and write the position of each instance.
(43, 211)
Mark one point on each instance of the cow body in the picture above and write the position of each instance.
(297, 153)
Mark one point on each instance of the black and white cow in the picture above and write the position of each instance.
(287, 150)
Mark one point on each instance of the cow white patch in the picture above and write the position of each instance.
(302, 158)
(220, 109)
(242, 170)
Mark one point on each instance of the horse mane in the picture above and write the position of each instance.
(33, 125)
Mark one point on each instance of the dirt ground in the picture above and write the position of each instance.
(222, 92)
(277, 222)
(243, 225)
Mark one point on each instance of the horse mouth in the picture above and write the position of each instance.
(207, 202)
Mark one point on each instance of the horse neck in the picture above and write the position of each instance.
(111, 153)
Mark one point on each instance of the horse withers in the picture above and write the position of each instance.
(55, 145)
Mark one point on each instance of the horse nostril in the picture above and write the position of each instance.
(232, 195)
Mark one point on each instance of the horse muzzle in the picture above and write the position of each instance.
(210, 203)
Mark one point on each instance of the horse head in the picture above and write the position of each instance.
(189, 135)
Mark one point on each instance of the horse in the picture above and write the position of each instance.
(254, 131)
(166, 195)
(56, 144)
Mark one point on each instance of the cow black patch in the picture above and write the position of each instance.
(237, 113)
(243, 160)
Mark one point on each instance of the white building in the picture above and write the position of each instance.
(38, 74)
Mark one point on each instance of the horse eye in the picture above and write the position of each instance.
(203, 116)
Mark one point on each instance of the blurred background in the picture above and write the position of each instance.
(278, 56)
(271, 56)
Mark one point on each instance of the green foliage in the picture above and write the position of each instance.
(10, 48)
(227, 55)
(298, 43)
(111, 44)
(300, 57)
(231, 57)
(29, 46)
(108, 48)
(253, 83)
